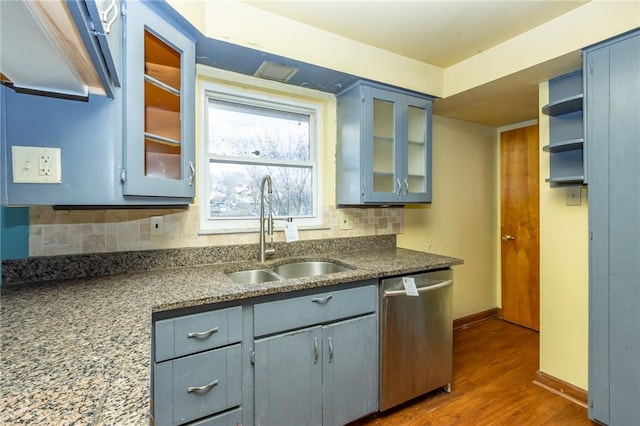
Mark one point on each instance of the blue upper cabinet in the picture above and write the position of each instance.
(100, 26)
(159, 107)
(383, 154)
(135, 148)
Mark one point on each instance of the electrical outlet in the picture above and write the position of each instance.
(34, 164)
(156, 226)
(346, 220)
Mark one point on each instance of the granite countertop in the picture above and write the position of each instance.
(77, 351)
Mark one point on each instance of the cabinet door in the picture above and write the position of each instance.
(288, 379)
(350, 370)
(100, 27)
(381, 175)
(613, 135)
(159, 143)
(106, 16)
(416, 153)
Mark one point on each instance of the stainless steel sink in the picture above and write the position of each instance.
(287, 271)
(253, 276)
(308, 269)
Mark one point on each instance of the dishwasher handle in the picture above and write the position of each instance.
(420, 289)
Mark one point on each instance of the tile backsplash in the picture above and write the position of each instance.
(62, 232)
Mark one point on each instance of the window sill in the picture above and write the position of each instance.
(257, 229)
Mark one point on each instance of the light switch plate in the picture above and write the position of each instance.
(34, 164)
(573, 195)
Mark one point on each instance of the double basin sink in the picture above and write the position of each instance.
(287, 271)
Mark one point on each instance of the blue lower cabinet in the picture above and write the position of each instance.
(313, 361)
(325, 373)
(350, 370)
(318, 376)
(288, 379)
(197, 386)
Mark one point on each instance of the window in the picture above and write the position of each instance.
(246, 138)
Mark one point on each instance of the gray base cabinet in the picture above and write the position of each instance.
(197, 368)
(288, 379)
(350, 370)
(612, 73)
(321, 375)
(308, 359)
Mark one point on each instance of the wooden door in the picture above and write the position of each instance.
(520, 226)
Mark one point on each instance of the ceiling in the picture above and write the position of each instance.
(443, 33)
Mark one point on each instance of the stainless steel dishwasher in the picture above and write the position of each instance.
(416, 336)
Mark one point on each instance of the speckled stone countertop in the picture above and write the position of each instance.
(77, 351)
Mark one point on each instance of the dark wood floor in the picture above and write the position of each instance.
(494, 364)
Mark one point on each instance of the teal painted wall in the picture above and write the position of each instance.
(1, 215)
(14, 241)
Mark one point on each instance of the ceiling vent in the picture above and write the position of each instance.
(276, 72)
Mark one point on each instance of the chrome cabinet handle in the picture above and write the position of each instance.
(316, 352)
(330, 349)
(204, 388)
(203, 333)
(406, 186)
(397, 191)
(322, 300)
(193, 173)
(507, 237)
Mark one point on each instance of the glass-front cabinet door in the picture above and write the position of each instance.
(416, 186)
(159, 110)
(383, 180)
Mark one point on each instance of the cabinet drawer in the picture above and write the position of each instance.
(196, 333)
(280, 315)
(232, 418)
(197, 385)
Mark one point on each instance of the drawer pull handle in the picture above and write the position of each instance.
(204, 388)
(330, 349)
(316, 352)
(322, 300)
(203, 334)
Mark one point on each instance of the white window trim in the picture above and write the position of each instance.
(232, 94)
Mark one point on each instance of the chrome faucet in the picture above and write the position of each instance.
(264, 251)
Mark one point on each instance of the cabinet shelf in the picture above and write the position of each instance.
(384, 139)
(561, 146)
(161, 139)
(564, 105)
(566, 180)
(566, 134)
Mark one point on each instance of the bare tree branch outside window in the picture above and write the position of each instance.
(245, 143)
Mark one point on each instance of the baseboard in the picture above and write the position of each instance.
(464, 322)
(562, 388)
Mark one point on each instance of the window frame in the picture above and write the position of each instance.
(263, 99)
